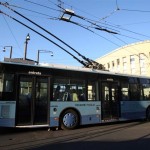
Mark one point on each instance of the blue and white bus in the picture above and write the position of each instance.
(66, 97)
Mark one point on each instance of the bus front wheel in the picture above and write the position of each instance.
(69, 119)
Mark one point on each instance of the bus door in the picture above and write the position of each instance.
(32, 104)
(110, 101)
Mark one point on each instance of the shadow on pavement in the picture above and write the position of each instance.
(140, 144)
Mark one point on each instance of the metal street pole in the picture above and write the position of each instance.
(42, 51)
(10, 56)
(26, 43)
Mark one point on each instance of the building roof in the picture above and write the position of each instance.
(123, 47)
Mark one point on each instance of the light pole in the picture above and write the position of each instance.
(26, 43)
(42, 51)
(10, 50)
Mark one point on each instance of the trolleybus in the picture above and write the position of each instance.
(66, 97)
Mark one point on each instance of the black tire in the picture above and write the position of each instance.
(148, 114)
(69, 120)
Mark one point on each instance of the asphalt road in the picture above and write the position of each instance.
(120, 136)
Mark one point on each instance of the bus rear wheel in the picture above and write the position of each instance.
(69, 120)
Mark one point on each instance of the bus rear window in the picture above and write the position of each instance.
(6, 86)
(6, 82)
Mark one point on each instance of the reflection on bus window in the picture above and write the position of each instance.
(6, 82)
(7, 87)
(114, 94)
(25, 87)
(135, 92)
(125, 91)
(105, 92)
(25, 92)
(41, 90)
(1, 83)
(68, 90)
(91, 91)
(146, 91)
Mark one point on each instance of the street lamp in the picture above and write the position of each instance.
(43, 51)
(26, 43)
(10, 50)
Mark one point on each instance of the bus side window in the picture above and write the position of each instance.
(92, 93)
(56, 93)
(125, 91)
(81, 94)
(135, 92)
(146, 91)
(66, 89)
(74, 95)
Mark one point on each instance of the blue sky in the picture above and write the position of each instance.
(130, 19)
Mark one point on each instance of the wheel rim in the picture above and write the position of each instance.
(69, 120)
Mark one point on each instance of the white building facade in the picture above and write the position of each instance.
(130, 59)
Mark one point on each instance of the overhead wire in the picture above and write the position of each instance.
(134, 23)
(90, 21)
(42, 5)
(114, 26)
(101, 23)
(117, 8)
(85, 19)
(93, 23)
(111, 13)
(43, 36)
(92, 32)
(141, 11)
(33, 11)
(83, 26)
(98, 27)
(11, 32)
(89, 62)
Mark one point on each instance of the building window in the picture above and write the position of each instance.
(142, 60)
(143, 71)
(113, 66)
(142, 64)
(124, 65)
(132, 64)
(108, 65)
(132, 61)
(118, 65)
(118, 62)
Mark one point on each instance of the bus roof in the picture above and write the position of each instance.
(74, 68)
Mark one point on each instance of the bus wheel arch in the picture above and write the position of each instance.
(69, 119)
(148, 113)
